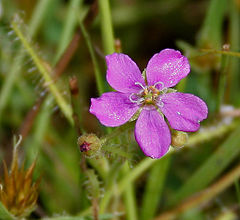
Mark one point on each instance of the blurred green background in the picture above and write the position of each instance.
(140, 29)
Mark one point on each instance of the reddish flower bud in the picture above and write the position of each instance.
(89, 144)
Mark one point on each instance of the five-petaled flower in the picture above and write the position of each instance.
(151, 94)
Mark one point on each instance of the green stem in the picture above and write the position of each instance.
(69, 26)
(97, 72)
(237, 190)
(154, 188)
(40, 131)
(130, 200)
(9, 82)
(209, 134)
(211, 168)
(65, 107)
(38, 16)
(127, 179)
(222, 82)
(147, 162)
(211, 32)
(36, 20)
(234, 17)
(106, 26)
(228, 53)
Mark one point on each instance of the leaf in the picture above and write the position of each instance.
(154, 188)
(4, 214)
(101, 217)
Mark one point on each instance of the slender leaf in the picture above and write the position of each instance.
(154, 188)
(207, 172)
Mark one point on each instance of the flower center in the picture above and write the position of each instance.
(149, 95)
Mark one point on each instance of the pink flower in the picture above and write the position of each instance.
(152, 96)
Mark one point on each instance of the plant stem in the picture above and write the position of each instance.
(97, 72)
(222, 81)
(147, 162)
(36, 20)
(237, 190)
(233, 81)
(69, 26)
(211, 168)
(154, 188)
(228, 53)
(128, 178)
(65, 107)
(106, 27)
(130, 200)
(203, 196)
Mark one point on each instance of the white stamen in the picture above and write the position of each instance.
(160, 104)
(179, 113)
(130, 98)
(161, 83)
(140, 84)
(163, 89)
(140, 101)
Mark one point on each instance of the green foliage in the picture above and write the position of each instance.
(53, 40)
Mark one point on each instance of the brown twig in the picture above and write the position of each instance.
(95, 208)
(231, 113)
(29, 119)
(203, 196)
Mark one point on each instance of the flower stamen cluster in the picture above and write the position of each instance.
(149, 95)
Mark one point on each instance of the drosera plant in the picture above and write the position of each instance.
(150, 98)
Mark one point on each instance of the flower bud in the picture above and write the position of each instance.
(89, 144)
(179, 138)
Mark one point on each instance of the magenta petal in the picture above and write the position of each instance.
(184, 111)
(123, 73)
(169, 67)
(152, 134)
(113, 108)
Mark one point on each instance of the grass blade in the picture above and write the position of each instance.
(154, 188)
(225, 154)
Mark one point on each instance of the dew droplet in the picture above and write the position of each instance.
(42, 93)
(10, 33)
(32, 69)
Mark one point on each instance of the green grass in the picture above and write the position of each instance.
(44, 43)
